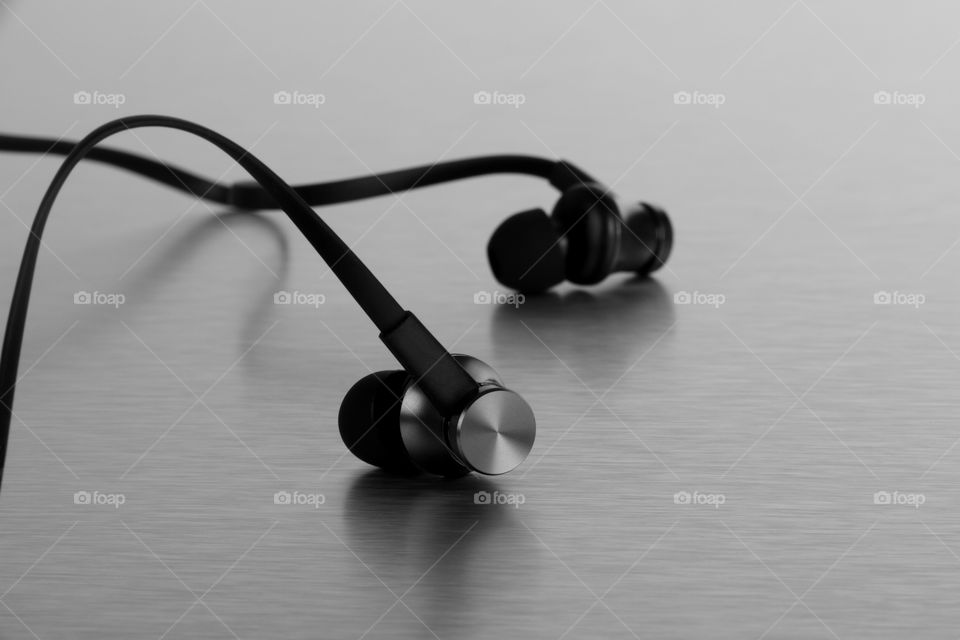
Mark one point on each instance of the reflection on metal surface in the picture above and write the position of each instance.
(612, 326)
(405, 529)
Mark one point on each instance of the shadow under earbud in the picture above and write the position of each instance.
(402, 526)
(610, 326)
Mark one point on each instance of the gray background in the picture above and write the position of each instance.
(798, 199)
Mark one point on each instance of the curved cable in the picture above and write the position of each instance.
(375, 300)
(252, 196)
(168, 175)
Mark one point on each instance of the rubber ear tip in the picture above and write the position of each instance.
(369, 422)
(525, 252)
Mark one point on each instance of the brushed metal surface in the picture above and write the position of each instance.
(701, 470)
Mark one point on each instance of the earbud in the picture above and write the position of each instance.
(584, 240)
(387, 421)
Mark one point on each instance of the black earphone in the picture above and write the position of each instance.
(442, 414)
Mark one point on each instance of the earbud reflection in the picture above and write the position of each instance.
(596, 332)
(441, 535)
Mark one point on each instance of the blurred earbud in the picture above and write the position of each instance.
(584, 240)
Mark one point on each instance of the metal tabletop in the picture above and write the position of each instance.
(760, 441)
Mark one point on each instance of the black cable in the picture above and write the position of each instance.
(152, 169)
(375, 300)
(250, 196)
(253, 196)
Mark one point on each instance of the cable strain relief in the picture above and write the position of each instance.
(445, 382)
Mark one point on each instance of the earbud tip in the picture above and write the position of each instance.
(525, 252)
(370, 422)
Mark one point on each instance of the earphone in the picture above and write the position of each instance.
(441, 414)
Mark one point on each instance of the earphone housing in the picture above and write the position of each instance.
(491, 435)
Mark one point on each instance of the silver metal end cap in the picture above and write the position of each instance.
(494, 434)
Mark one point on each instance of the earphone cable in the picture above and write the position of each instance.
(372, 296)
(246, 195)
